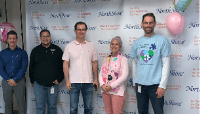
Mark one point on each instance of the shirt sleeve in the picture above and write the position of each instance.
(100, 75)
(60, 66)
(134, 68)
(133, 52)
(66, 53)
(32, 66)
(124, 73)
(2, 69)
(166, 48)
(101, 78)
(165, 72)
(24, 64)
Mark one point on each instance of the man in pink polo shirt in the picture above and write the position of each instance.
(81, 55)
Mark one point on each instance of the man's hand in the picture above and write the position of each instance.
(108, 88)
(68, 85)
(11, 82)
(134, 87)
(56, 82)
(103, 87)
(96, 83)
(160, 92)
(32, 85)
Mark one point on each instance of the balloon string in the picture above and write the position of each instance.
(6, 12)
(180, 41)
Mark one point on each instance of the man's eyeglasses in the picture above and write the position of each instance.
(146, 23)
(79, 30)
(45, 37)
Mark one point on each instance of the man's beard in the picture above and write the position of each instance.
(149, 31)
(46, 44)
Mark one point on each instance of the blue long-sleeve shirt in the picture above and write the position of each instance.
(13, 64)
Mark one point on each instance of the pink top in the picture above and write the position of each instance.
(121, 82)
(80, 57)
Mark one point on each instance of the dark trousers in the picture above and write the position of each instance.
(149, 92)
(19, 91)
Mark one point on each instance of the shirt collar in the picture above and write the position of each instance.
(77, 43)
(45, 47)
(14, 49)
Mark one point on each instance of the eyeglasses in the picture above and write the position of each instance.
(146, 23)
(45, 37)
(79, 30)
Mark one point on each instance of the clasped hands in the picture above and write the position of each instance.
(11, 82)
(106, 88)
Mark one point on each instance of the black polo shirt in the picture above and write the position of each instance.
(46, 65)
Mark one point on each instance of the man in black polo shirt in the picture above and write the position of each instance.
(46, 72)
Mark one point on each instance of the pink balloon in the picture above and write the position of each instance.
(174, 22)
(4, 29)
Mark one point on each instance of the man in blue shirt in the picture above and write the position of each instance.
(13, 65)
(151, 65)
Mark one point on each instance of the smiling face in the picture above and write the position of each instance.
(12, 40)
(115, 46)
(80, 31)
(45, 38)
(148, 24)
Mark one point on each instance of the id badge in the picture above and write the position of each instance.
(139, 88)
(52, 90)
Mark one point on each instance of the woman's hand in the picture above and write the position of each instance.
(103, 87)
(108, 88)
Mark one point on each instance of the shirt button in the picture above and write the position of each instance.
(12, 61)
(12, 67)
(12, 73)
(46, 51)
(12, 56)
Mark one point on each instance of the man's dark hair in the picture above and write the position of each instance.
(149, 14)
(12, 32)
(80, 23)
(44, 30)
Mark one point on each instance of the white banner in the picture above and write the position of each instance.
(107, 19)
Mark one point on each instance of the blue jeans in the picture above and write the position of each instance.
(149, 92)
(43, 96)
(87, 90)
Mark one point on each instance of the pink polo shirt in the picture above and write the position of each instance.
(80, 57)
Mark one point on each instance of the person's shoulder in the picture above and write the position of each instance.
(70, 43)
(22, 50)
(160, 36)
(55, 46)
(36, 48)
(3, 51)
(139, 39)
(105, 59)
(124, 58)
(89, 42)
